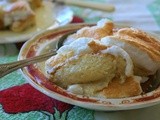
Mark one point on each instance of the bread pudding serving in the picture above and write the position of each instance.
(18, 15)
(105, 62)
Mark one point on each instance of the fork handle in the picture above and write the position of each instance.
(89, 4)
(10, 67)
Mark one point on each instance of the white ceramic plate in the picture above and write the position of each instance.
(35, 75)
(47, 17)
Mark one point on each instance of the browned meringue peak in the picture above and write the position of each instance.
(142, 40)
(143, 49)
(102, 29)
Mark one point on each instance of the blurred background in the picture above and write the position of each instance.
(143, 14)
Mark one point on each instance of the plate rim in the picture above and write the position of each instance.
(98, 106)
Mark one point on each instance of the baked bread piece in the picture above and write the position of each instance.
(83, 69)
(16, 16)
(88, 70)
(106, 67)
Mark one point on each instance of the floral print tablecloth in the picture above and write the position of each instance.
(16, 105)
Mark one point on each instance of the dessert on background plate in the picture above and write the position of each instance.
(105, 62)
(29, 18)
(18, 15)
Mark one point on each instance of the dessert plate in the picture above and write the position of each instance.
(49, 16)
(35, 75)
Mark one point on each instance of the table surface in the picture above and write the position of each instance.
(144, 15)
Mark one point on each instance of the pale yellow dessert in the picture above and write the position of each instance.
(17, 15)
(90, 68)
(105, 66)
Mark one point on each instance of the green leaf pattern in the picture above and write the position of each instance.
(78, 113)
(58, 116)
(33, 115)
(9, 53)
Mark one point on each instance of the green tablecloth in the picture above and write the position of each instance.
(142, 14)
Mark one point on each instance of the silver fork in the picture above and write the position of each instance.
(10, 67)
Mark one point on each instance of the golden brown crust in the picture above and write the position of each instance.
(115, 89)
(96, 47)
(141, 40)
(35, 3)
(95, 32)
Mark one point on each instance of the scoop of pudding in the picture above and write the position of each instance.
(88, 67)
(105, 62)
